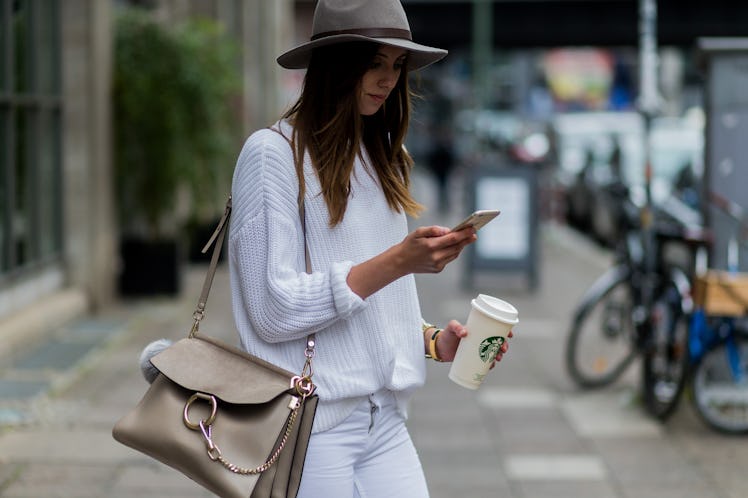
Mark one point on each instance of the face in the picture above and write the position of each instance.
(379, 80)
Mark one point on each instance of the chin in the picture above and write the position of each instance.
(369, 111)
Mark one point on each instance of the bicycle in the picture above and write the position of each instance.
(719, 379)
(638, 307)
(718, 341)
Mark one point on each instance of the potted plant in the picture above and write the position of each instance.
(175, 132)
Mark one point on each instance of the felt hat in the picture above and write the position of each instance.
(379, 21)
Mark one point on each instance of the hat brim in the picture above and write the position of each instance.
(419, 56)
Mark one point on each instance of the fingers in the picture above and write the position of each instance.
(447, 238)
(449, 339)
(430, 249)
(502, 351)
(442, 257)
(431, 231)
(456, 328)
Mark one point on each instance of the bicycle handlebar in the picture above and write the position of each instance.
(734, 211)
(731, 208)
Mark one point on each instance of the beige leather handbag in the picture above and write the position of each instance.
(234, 423)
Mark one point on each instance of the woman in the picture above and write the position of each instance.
(344, 139)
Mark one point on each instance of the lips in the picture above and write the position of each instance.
(378, 98)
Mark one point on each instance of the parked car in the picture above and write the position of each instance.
(583, 145)
(676, 148)
(598, 154)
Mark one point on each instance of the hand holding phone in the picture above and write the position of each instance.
(477, 220)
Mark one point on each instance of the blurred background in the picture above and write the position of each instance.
(120, 121)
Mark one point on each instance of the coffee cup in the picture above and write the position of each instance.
(488, 324)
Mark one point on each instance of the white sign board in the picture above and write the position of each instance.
(508, 236)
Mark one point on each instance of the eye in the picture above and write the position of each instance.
(376, 63)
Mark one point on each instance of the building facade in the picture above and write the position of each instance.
(58, 234)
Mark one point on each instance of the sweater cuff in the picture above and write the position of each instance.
(347, 302)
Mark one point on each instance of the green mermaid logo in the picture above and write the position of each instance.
(490, 347)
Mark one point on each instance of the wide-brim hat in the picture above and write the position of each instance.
(379, 21)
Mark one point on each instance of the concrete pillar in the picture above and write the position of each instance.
(89, 221)
(267, 31)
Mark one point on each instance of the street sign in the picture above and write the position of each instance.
(509, 243)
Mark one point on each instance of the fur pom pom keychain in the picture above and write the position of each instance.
(150, 372)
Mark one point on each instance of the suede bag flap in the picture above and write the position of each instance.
(200, 364)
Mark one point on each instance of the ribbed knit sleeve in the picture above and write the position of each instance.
(281, 300)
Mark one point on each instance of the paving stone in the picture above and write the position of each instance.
(61, 445)
(21, 389)
(536, 433)
(9, 472)
(516, 398)
(59, 480)
(639, 461)
(155, 479)
(555, 467)
(55, 355)
(12, 416)
(671, 490)
(465, 473)
(97, 328)
(566, 489)
(608, 414)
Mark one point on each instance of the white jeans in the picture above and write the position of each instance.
(369, 455)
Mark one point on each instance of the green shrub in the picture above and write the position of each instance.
(175, 122)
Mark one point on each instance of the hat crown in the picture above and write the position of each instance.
(378, 21)
(340, 16)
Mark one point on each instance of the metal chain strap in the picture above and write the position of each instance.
(304, 387)
(214, 453)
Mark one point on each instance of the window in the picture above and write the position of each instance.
(30, 135)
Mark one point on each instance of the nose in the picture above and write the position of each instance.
(389, 78)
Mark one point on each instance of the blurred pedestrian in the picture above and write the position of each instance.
(340, 150)
(441, 161)
(687, 186)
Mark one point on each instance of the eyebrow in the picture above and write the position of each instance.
(384, 56)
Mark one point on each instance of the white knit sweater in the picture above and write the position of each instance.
(362, 345)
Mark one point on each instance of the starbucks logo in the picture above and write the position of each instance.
(489, 348)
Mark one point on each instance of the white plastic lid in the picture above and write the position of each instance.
(496, 308)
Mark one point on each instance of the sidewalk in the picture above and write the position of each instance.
(527, 433)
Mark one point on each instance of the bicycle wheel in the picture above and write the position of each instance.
(665, 359)
(720, 386)
(600, 345)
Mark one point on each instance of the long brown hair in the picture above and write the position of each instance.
(328, 125)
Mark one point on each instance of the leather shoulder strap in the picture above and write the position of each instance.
(217, 240)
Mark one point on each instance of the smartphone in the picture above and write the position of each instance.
(478, 219)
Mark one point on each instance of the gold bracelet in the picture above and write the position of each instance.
(432, 346)
(427, 326)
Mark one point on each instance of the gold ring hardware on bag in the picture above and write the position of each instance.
(303, 385)
(197, 317)
(213, 410)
